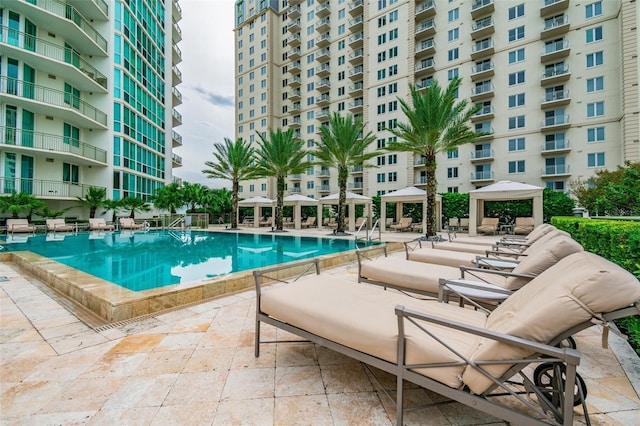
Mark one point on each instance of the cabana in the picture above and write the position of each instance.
(257, 203)
(503, 190)
(352, 200)
(297, 201)
(410, 194)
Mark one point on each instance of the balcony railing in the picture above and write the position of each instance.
(426, 25)
(420, 161)
(555, 22)
(557, 169)
(482, 175)
(485, 66)
(355, 185)
(556, 95)
(325, 173)
(44, 188)
(176, 159)
(48, 142)
(325, 188)
(356, 169)
(482, 45)
(51, 51)
(177, 137)
(555, 46)
(556, 145)
(480, 3)
(482, 154)
(482, 88)
(482, 23)
(424, 6)
(427, 44)
(556, 120)
(70, 13)
(420, 180)
(554, 71)
(11, 86)
(485, 110)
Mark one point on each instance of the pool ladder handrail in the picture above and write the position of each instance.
(369, 235)
(176, 222)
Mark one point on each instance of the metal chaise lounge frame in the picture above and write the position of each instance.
(20, 226)
(556, 405)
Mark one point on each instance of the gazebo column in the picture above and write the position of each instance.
(297, 216)
(319, 214)
(257, 213)
(538, 210)
(352, 217)
(399, 206)
(473, 215)
(383, 215)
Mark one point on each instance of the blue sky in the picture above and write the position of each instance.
(207, 85)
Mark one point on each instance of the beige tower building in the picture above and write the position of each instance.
(557, 81)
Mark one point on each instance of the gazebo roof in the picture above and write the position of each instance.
(299, 199)
(409, 191)
(256, 201)
(506, 190)
(351, 197)
(507, 185)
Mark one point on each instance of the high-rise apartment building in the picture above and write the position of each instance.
(88, 96)
(557, 81)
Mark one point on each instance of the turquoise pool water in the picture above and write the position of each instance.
(145, 260)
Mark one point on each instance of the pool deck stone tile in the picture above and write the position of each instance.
(195, 365)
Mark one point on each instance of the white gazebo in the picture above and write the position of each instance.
(410, 194)
(503, 190)
(297, 201)
(257, 203)
(351, 201)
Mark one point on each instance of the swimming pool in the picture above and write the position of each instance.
(141, 261)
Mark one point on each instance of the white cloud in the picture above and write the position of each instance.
(207, 88)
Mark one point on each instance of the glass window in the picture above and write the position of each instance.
(516, 100)
(516, 33)
(516, 11)
(452, 73)
(453, 34)
(595, 59)
(516, 144)
(516, 122)
(516, 56)
(516, 78)
(595, 84)
(393, 34)
(454, 14)
(595, 134)
(453, 54)
(595, 109)
(595, 159)
(452, 172)
(516, 166)
(593, 9)
(453, 153)
(594, 34)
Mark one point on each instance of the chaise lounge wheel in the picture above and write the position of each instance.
(543, 377)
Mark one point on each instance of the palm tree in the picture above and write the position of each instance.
(280, 155)
(169, 197)
(114, 205)
(21, 201)
(194, 193)
(342, 146)
(94, 199)
(233, 161)
(437, 123)
(134, 205)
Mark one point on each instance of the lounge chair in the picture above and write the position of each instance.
(460, 353)
(454, 224)
(360, 221)
(99, 224)
(268, 221)
(489, 225)
(403, 225)
(20, 226)
(129, 223)
(310, 222)
(333, 224)
(59, 225)
(523, 225)
(464, 223)
(424, 278)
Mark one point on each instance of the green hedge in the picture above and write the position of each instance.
(618, 241)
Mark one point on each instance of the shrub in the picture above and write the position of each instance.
(455, 204)
(618, 241)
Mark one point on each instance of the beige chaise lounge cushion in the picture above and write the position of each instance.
(408, 274)
(441, 257)
(523, 225)
(562, 297)
(19, 225)
(58, 225)
(363, 318)
(467, 248)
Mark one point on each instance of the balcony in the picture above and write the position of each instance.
(556, 122)
(98, 10)
(425, 66)
(323, 70)
(482, 155)
(323, 99)
(356, 40)
(177, 10)
(486, 113)
(294, 67)
(554, 51)
(356, 23)
(177, 75)
(177, 32)
(48, 189)
(356, 57)
(294, 107)
(553, 6)
(555, 99)
(56, 146)
(295, 177)
(481, 7)
(294, 53)
(177, 96)
(324, 188)
(176, 139)
(424, 83)
(294, 2)
(323, 10)
(425, 48)
(294, 12)
(420, 161)
(294, 26)
(355, 186)
(295, 81)
(323, 85)
(554, 27)
(324, 173)
(294, 40)
(176, 58)
(419, 180)
(356, 105)
(482, 91)
(557, 170)
(356, 73)
(484, 131)
(555, 147)
(56, 59)
(482, 48)
(482, 176)
(555, 75)
(482, 28)
(294, 95)
(356, 7)
(47, 101)
(69, 23)
(321, 115)
(356, 89)
(356, 170)
(323, 40)
(482, 71)
(323, 25)
(177, 118)
(323, 55)
(176, 160)
(425, 10)
(296, 122)
(426, 28)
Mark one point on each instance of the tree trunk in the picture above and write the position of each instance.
(279, 202)
(343, 174)
(430, 166)
(92, 212)
(234, 204)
